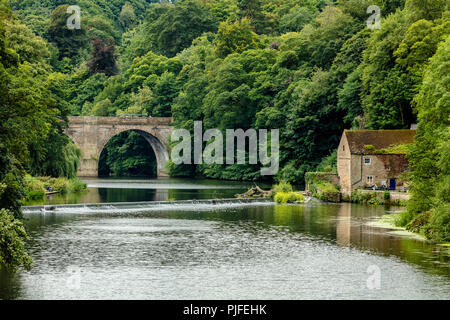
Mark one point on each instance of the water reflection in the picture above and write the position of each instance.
(343, 225)
(266, 251)
(137, 190)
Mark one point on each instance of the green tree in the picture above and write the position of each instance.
(84, 87)
(101, 27)
(252, 10)
(387, 90)
(429, 155)
(69, 42)
(420, 43)
(127, 16)
(176, 28)
(426, 9)
(165, 90)
(23, 41)
(127, 154)
(140, 102)
(24, 113)
(12, 243)
(102, 108)
(235, 37)
(297, 18)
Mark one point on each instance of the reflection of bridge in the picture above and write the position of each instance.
(91, 134)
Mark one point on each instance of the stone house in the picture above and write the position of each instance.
(361, 162)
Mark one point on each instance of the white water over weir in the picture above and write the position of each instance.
(146, 206)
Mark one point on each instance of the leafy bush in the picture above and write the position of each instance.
(419, 222)
(12, 243)
(439, 223)
(374, 201)
(76, 185)
(434, 224)
(328, 187)
(61, 185)
(365, 198)
(35, 188)
(283, 186)
(288, 197)
(404, 218)
(328, 164)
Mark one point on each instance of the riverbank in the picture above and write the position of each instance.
(378, 197)
(37, 188)
(388, 221)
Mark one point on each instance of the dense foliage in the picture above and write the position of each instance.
(126, 155)
(12, 245)
(33, 115)
(430, 155)
(311, 68)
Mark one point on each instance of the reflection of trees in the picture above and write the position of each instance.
(108, 195)
(351, 229)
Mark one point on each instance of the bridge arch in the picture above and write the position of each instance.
(154, 140)
(91, 134)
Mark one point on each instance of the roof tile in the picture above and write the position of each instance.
(380, 139)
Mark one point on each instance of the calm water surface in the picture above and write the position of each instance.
(162, 189)
(225, 251)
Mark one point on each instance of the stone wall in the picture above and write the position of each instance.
(344, 167)
(381, 168)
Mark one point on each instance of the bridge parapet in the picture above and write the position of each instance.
(122, 120)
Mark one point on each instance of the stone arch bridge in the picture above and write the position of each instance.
(91, 134)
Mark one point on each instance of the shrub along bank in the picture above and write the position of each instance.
(284, 193)
(323, 185)
(36, 187)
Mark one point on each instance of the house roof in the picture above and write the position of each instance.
(380, 139)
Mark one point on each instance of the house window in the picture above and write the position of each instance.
(367, 161)
(369, 179)
(343, 148)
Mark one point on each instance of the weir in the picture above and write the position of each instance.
(142, 206)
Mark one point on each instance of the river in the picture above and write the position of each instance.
(220, 251)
